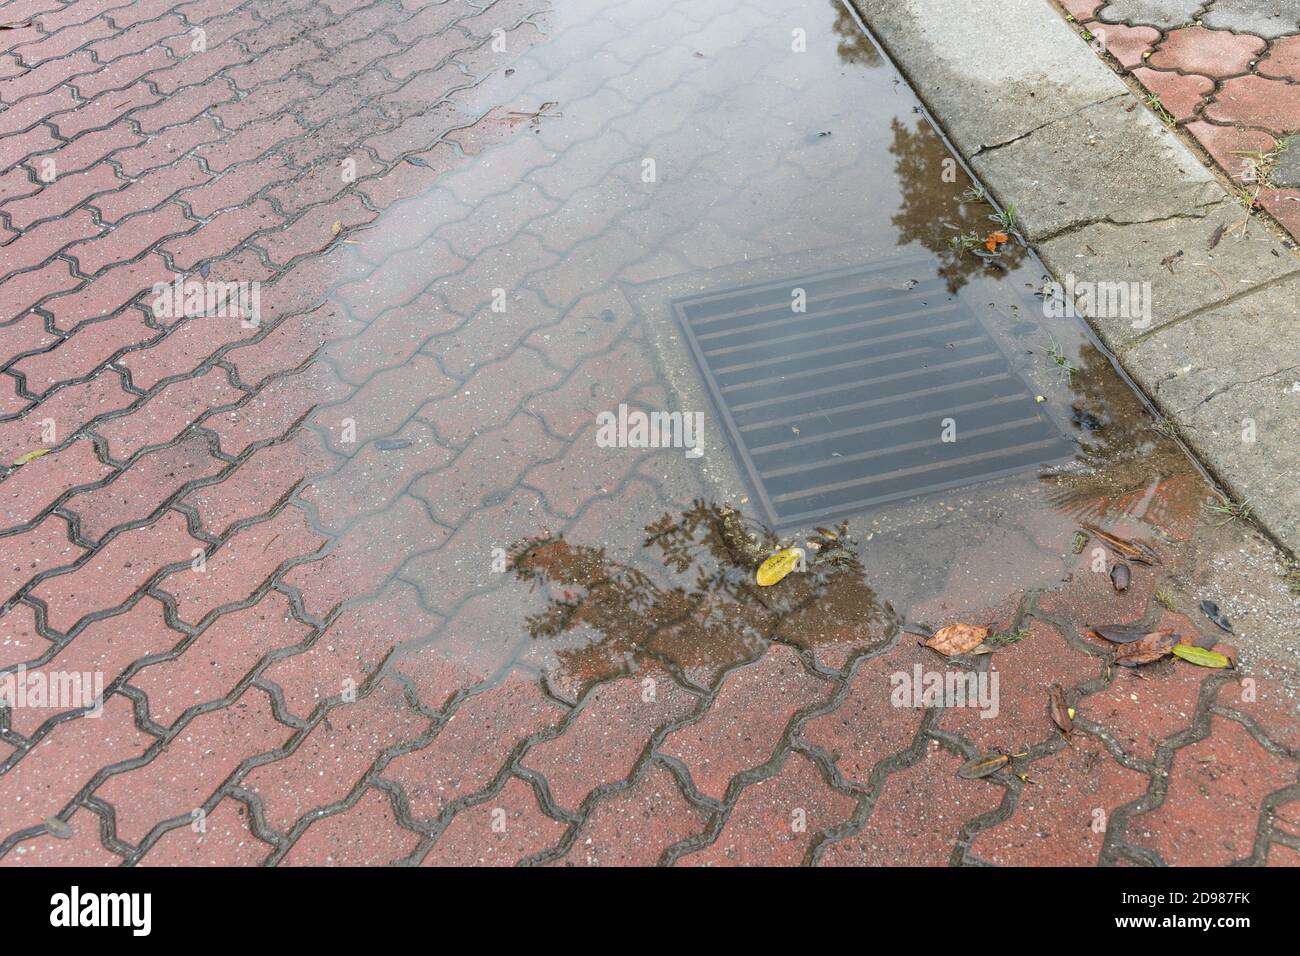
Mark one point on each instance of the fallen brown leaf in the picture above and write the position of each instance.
(982, 766)
(1150, 647)
(1060, 709)
(957, 639)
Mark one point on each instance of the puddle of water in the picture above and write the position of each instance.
(646, 155)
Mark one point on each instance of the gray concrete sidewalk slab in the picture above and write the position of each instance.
(1108, 194)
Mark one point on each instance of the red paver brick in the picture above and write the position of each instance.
(108, 293)
(635, 826)
(196, 67)
(167, 413)
(27, 113)
(867, 727)
(1179, 94)
(188, 346)
(184, 105)
(19, 642)
(32, 248)
(137, 38)
(16, 148)
(372, 480)
(1269, 703)
(249, 142)
(368, 834)
(331, 760)
(1061, 819)
(130, 238)
(29, 490)
(276, 406)
(45, 77)
(139, 490)
(263, 101)
(315, 230)
(492, 464)
(608, 736)
(220, 838)
(744, 726)
(150, 190)
(258, 483)
(292, 342)
(106, 647)
(50, 775)
(368, 553)
(1126, 44)
(28, 334)
(186, 772)
(1225, 143)
(1273, 105)
(167, 146)
(237, 186)
(1284, 206)
(29, 553)
(474, 744)
(63, 194)
(26, 289)
(1283, 59)
(82, 849)
(68, 408)
(1211, 811)
(87, 150)
(114, 572)
(774, 820)
(104, 110)
(122, 72)
(222, 234)
(239, 566)
(219, 658)
(386, 402)
(918, 816)
(1215, 53)
(499, 832)
(1025, 672)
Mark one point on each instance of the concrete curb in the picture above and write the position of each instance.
(1106, 193)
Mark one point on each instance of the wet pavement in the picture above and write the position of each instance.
(369, 578)
(1225, 72)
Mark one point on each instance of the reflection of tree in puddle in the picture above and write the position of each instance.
(855, 46)
(1131, 468)
(707, 613)
(933, 212)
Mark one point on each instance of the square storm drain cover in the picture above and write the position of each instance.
(847, 404)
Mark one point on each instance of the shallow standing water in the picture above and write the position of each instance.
(435, 592)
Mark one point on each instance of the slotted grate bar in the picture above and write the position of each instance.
(840, 407)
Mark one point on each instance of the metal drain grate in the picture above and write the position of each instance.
(840, 407)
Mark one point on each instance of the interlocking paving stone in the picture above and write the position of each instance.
(351, 661)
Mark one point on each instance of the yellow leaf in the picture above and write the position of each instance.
(1200, 656)
(30, 456)
(778, 566)
(337, 227)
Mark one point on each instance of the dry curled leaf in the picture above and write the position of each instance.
(957, 639)
(982, 766)
(1120, 633)
(1134, 551)
(1061, 714)
(1150, 647)
(337, 227)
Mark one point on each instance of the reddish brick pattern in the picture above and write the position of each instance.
(1233, 93)
(273, 530)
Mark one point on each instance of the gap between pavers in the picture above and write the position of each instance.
(1106, 193)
